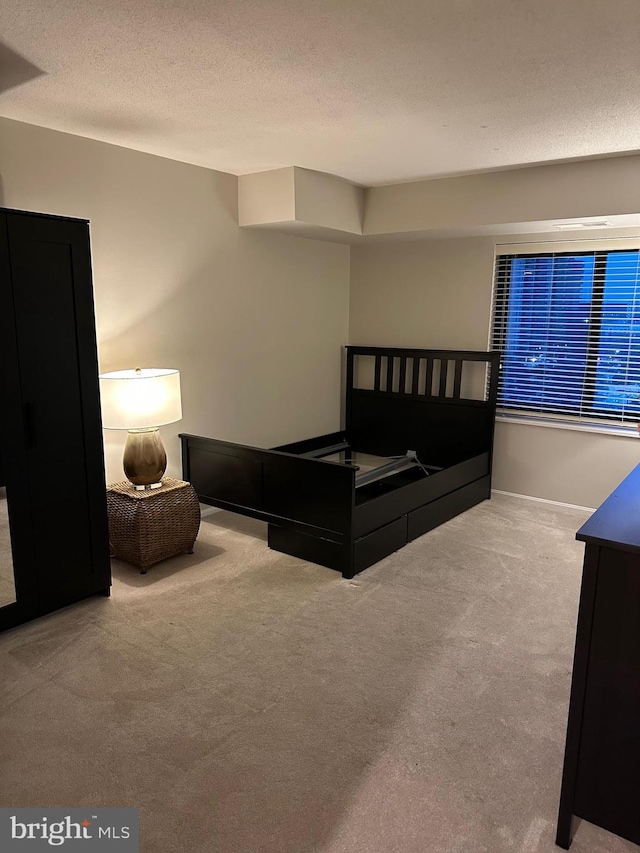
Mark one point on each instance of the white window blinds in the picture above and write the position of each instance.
(568, 327)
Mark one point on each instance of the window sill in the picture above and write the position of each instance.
(622, 430)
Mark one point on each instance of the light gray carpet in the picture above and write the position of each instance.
(249, 702)
(7, 585)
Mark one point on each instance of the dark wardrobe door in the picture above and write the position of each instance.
(14, 460)
(55, 349)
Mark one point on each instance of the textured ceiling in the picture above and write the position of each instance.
(376, 91)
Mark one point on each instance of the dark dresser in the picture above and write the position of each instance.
(601, 778)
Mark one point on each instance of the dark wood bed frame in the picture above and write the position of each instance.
(312, 505)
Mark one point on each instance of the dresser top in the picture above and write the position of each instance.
(126, 488)
(616, 523)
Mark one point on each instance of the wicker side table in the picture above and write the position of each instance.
(152, 525)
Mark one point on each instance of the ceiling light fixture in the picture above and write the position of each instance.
(575, 226)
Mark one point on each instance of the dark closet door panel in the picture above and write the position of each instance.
(14, 453)
(51, 270)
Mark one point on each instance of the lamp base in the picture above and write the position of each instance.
(145, 459)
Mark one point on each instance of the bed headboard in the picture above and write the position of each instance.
(440, 403)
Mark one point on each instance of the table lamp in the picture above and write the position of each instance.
(140, 401)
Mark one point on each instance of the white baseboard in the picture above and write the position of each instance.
(542, 500)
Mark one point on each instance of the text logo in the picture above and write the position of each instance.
(75, 829)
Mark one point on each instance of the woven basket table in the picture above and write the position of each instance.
(146, 526)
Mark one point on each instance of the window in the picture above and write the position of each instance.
(568, 325)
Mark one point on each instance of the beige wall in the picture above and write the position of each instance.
(424, 293)
(267, 197)
(438, 294)
(601, 187)
(328, 201)
(255, 321)
(301, 202)
(528, 199)
(561, 465)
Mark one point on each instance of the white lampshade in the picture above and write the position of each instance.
(140, 398)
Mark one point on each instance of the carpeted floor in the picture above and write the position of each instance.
(7, 586)
(248, 702)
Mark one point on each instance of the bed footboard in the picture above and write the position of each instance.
(303, 495)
